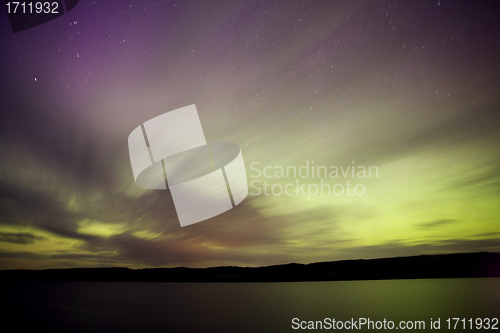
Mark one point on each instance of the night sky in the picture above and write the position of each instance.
(411, 88)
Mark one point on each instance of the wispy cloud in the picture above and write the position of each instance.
(437, 223)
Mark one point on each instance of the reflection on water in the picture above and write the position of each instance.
(240, 307)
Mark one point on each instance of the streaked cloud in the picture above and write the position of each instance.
(337, 83)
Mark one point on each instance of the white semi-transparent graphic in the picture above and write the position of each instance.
(170, 151)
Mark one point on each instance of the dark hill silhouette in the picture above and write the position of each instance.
(463, 265)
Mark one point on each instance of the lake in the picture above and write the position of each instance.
(244, 307)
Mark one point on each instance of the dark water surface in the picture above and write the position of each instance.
(241, 307)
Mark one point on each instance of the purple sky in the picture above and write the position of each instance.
(410, 87)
